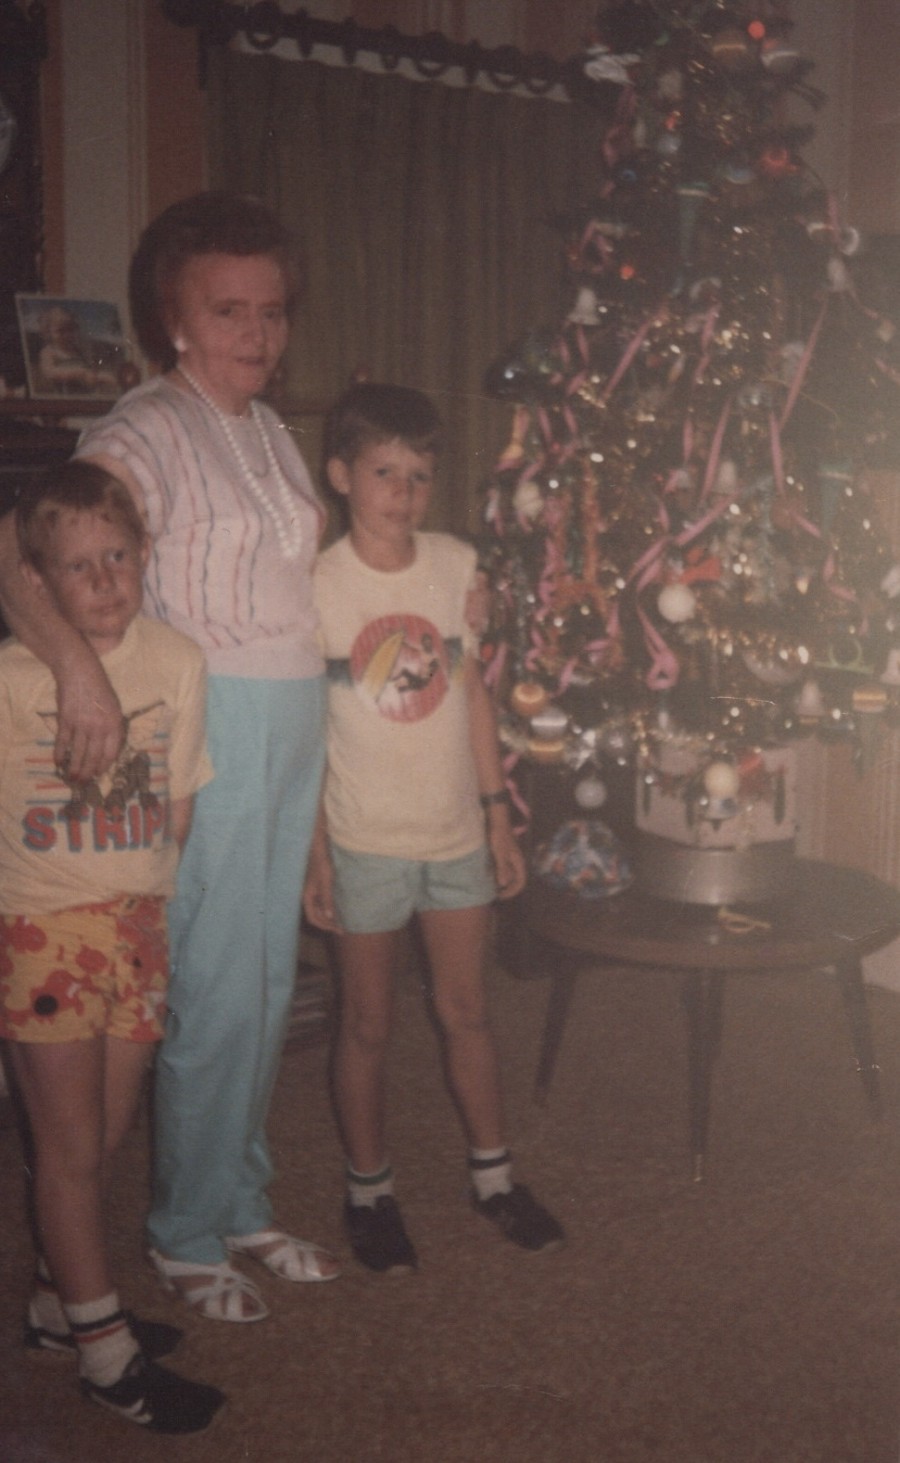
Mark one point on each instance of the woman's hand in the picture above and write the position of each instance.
(90, 725)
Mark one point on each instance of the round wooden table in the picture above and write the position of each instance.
(826, 919)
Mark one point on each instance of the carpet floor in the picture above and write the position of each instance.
(748, 1319)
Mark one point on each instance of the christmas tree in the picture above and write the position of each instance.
(682, 547)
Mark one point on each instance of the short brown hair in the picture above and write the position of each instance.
(216, 222)
(375, 411)
(80, 487)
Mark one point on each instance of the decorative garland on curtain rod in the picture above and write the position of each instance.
(265, 24)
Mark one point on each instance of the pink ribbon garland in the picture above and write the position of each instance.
(803, 365)
(664, 667)
(712, 464)
(631, 351)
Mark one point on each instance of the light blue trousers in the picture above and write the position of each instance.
(234, 927)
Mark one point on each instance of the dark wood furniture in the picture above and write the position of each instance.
(23, 48)
(827, 920)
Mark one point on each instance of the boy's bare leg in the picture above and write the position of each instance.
(68, 1088)
(456, 941)
(367, 981)
(127, 1063)
(457, 947)
(375, 1227)
(65, 1089)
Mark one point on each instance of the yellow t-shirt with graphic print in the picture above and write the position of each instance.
(401, 777)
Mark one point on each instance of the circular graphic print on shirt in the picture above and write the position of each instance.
(399, 665)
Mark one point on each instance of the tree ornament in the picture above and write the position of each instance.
(772, 671)
(546, 750)
(809, 703)
(615, 740)
(779, 57)
(677, 603)
(890, 676)
(583, 857)
(722, 780)
(528, 500)
(585, 311)
(590, 793)
(602, 65)
(679, 521)
(776, 162)
(870, 698)
(733, 50)
(528, 698)
(549, 723)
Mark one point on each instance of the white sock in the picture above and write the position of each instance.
(105, 1341)
(491, 1171)
(368, 1188)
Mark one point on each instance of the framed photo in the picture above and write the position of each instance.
(73, 348)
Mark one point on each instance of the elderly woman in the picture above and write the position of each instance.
(234, 523)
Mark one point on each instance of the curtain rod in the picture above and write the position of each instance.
(265, 24)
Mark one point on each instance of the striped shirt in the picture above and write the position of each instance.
(216, 570)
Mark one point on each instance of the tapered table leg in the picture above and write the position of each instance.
(703, 1004)
(562, 988)
(853, 990)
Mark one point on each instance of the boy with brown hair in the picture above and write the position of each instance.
(415, 817)
(85, 871)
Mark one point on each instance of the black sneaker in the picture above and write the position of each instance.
(378, 1237)
(157, 1399)
(155, 1338)
(519, 1216)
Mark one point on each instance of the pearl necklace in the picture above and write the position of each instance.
(285, 516)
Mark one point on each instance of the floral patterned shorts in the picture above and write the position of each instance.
(99, 969)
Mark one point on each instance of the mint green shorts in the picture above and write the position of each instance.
(374, 894)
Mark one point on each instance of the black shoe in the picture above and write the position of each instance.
(155, 1338)
(377, 1236)
(519, 1216)
(157, 1399)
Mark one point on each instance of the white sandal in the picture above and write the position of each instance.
(288, 1258)
(224, 1294)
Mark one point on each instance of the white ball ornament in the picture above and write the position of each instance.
(590, 793)
(721, 780)
(676, 603)
(528, 499)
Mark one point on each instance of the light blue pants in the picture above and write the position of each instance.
(234, 927)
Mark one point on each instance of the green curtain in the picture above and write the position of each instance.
(421, 213)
